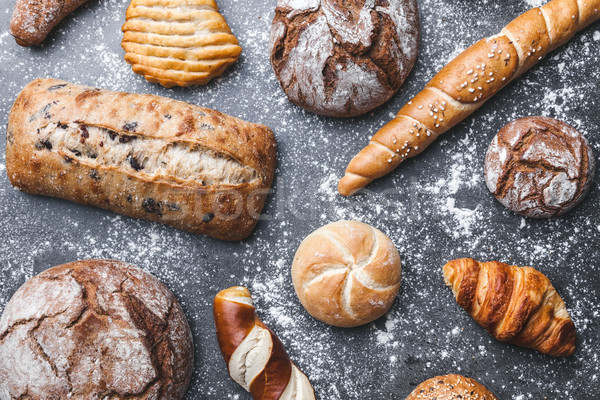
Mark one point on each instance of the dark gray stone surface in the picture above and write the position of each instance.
(435, 208)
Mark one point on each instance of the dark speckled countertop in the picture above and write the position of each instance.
(435, 208)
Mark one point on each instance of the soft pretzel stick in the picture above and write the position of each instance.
(255, 357)
(462, 86)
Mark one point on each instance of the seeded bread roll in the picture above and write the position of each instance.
(140, 155)
(451, 387)
(463, 85)
(94, 329)
(539, 167)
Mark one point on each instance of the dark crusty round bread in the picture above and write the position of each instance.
(94, 329)
(539, 167)
(451, 387)
(343, 58)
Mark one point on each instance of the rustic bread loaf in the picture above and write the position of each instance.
(343, 58)
(451, 387)
(346, 273)
(178, 42)
(94, 329)
(32, 20)
(539, 167)
(140, 155)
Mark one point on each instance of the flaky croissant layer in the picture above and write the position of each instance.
(517, 305)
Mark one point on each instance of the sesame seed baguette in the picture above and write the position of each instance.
(462, 86)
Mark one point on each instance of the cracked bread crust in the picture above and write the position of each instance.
(94, 329)
(539, 167)
(343, 58)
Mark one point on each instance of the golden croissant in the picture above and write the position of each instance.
(517, 305)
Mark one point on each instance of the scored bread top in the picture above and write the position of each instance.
(178, 42)
(141, 155)
(147, 117)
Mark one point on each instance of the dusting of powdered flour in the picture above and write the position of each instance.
(435, 208)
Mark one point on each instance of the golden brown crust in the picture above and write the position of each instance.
(562, 20)
(479, 72)
(467, 81)
(529, 34)
(225, 211)
(178, 42)
(451, 387)
(346, 273)
(514, 304)
(236, 321)
(32, 21)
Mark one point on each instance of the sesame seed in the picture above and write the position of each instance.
(416, 147)
(469, 72)
(471, 90)
(410, 102)
(479, 88)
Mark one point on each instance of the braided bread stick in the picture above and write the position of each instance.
(463, 85)
(255, 357)
(514, 304)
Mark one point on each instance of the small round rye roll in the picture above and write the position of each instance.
(539, 167)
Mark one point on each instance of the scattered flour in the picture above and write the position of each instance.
(435, 208)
